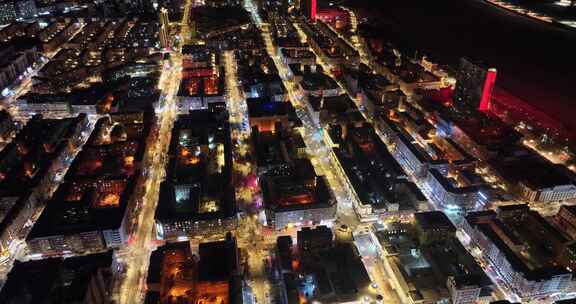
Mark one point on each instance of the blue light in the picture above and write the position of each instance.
(483, 196)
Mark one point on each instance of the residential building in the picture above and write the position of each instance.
(198, 196)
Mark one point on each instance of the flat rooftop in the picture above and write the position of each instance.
(538, 260)
(277, 148)
(369, 166)
(25, 160)
(532, 170)
(427, 267)
(199, 182)
(295, 188)
(333, 273)
(57, 280)
(318, 81)
(211, 277)
(202, 82)
(100, 181)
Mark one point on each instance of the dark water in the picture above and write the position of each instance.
(535, 61)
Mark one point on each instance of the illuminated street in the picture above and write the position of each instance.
(276, 152)
(324, 161)
(142, 239)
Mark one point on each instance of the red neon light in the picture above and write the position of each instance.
(313, 10)
(487, 90)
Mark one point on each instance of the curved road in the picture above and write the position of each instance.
(536, 61)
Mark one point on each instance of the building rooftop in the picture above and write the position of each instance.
(332, 273)
(100, 181)
(369, 166)
(259, 107)
(198, 184)
(278, 148)
(208, 276)
(202, 82)
(433, 220)
(538, 260)
(295, 188)
(425, 268)
(533, 171)
(318, 81)
(26, 160)
(57, 280)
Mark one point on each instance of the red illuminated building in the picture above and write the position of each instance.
(487, 90)
(308, 8)
(336, 17)
(474, 85)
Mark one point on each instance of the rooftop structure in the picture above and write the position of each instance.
(285, 35)
(293, 193)
(447, 169)
(317, 83)
(277, 147)
(260, 77)
(376, 93)
(296, 55)
(535, 178)
(325, 41)
(99, 45)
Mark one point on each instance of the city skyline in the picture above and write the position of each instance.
(280, 151)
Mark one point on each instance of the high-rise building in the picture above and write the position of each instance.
(308, 9)
(7, 12)
(474, 85)
(164, 20)
(164, 28)
(26, 9)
